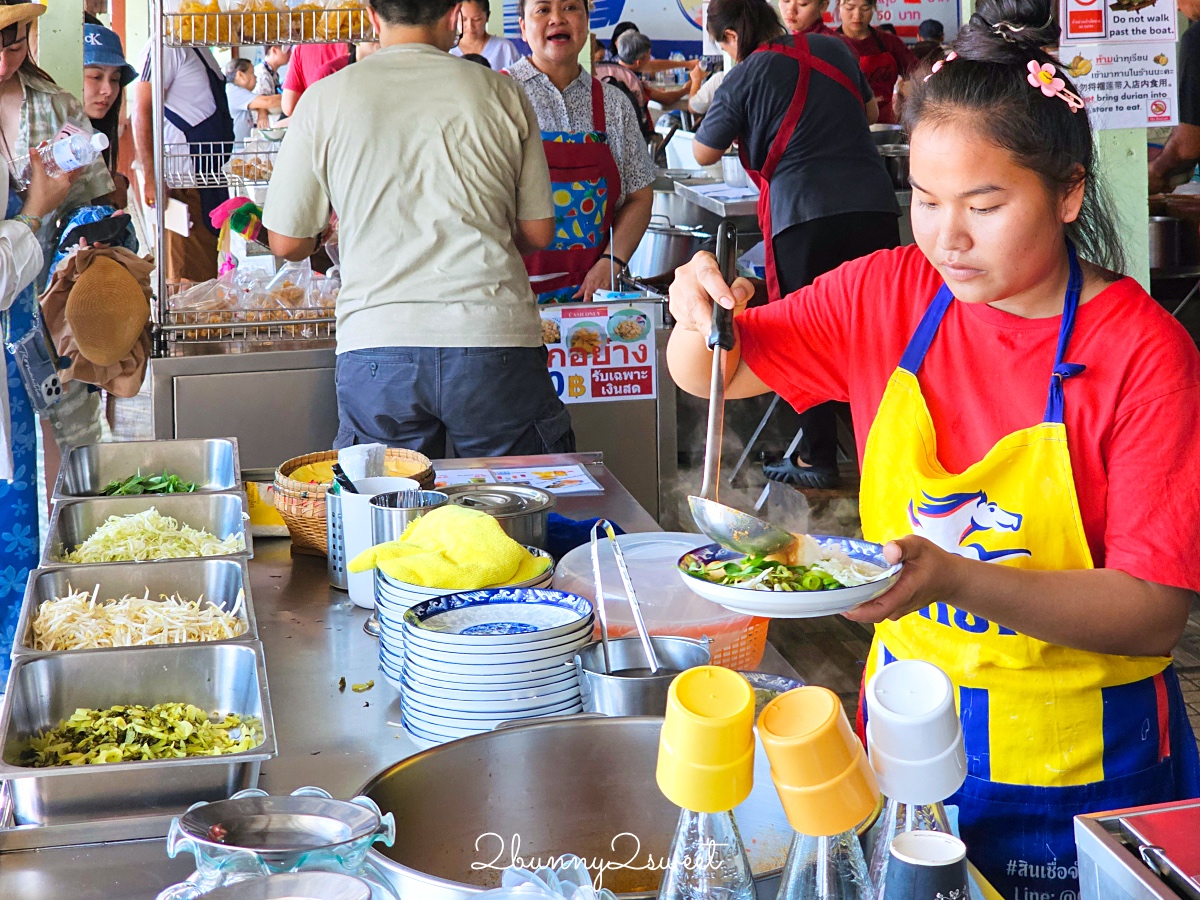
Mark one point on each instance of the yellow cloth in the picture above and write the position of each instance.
(455, 548)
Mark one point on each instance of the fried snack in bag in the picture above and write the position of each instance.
(305, 19)
(344, 20)
(264, 22)
(201, 22)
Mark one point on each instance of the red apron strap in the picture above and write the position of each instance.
(795, 109)
(598, 121)
(828, 69)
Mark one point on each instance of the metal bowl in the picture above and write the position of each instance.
(582, 785)
(521, 510)
(614, 694)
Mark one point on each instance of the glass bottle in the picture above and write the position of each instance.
(708, 860)
(825, 868)
(896, 819)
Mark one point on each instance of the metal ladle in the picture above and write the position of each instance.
(638, 621)
(729, 527)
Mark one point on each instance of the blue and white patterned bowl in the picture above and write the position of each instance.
(497, 617)
(483, 684)
(788, 604)
(521, 643)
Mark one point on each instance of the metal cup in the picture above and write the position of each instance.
(391, 513)
(618, 695)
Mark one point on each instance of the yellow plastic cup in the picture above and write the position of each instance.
(706, 748)
(820, 769)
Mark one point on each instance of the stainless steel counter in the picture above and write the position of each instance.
(312, 636)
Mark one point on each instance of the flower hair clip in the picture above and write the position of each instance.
(1044, 77)
(937, 66)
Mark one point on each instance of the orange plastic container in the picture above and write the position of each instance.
(669, 606)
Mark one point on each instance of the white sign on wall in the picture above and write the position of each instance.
(1126, 85)
(1125, 21)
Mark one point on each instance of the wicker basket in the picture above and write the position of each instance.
(302, 503)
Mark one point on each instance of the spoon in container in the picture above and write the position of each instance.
(600, 611)
(729, 527)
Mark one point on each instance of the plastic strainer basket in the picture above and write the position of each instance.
(668, 605)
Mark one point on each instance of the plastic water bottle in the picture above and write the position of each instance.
(680, 75)
(64, 155)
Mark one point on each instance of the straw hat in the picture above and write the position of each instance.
(15, 13)
(106, 310)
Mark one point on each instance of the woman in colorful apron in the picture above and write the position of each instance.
(1065, 689)
(824, 194)
(883, 57)
(600, 169)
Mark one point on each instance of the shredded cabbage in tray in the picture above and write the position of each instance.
(149, 535)
(79, 622)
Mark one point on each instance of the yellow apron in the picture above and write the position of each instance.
(1050, 731)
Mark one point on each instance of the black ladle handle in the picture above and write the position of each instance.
(721, 334)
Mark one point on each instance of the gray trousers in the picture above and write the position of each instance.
(473, 401)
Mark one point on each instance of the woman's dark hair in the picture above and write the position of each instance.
(484, 5)
(988, 81)
(109, 125)
(521, 12)
(755, 23)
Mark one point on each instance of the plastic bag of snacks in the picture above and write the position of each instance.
(568, 881)
(201, 22)
(305, 19)
(344, 20)
(264, 21)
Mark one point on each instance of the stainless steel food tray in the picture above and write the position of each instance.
(215, 578)
(212, 464)
(74, 521)
(43, 690)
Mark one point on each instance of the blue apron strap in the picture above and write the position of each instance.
(918, 344)
(1065, 370)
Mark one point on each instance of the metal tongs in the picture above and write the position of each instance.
(638, 621)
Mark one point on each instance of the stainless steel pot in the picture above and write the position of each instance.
(676, 210)
(582, 785)
(664, 248)
(883, 134)
(1164, 242)
(895, 159)
(614, 694)
(521, 510)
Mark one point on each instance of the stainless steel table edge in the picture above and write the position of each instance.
(1095, 843)
(311, 636)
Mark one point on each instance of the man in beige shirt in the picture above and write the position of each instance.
(436, 170)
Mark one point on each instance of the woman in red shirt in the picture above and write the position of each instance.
(883, 57)
(1029, 442)
(805, 16)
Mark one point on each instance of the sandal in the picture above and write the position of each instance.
(787, 471)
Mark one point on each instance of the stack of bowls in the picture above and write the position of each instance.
(394, 598)
(476, 659)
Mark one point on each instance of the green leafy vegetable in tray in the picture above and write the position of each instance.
(129, 733)
(148, 484)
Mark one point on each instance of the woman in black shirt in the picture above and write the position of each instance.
(798, 107)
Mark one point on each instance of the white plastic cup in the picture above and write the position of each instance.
(914, 736)
(919, 783)
(356, 526)
(910, 705)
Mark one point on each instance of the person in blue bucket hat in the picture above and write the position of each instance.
(105, 74)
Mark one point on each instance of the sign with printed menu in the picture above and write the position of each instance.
(600, 352)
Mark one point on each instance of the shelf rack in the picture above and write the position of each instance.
(241, 167)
